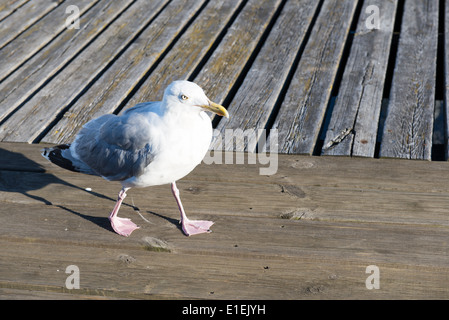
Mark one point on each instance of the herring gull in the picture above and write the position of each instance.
(152, 143)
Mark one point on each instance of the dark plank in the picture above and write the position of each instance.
(25, 82)
(115, 85)
(37, 36)
(41, 110)
(23, 18)
(302, 111)
(256, 98)
(358, 103)
(409, 121)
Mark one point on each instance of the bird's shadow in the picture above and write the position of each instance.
(22, 175)
(102, 222)
(176, 222)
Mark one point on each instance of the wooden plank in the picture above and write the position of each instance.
(302, 111)
(409, 121)
(257, 96)
(40, 69)
(42, 109)
(303, 187)
(23, 18)
(37, 36)
(83, 232)
(9, 6)
(183, 58)
(358, 103)
(327, 172)
(289, 238)
(335, 267)
(222, 69)
(27, 294)
(278, 201)
(160, 275)
(401, 227)
(108, 92)
(15, 188)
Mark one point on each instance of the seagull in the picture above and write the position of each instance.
(152, 143)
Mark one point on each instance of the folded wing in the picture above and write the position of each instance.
(118, 147)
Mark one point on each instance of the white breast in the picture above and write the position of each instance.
(179, 153)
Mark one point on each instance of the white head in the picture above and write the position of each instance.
(190, 95)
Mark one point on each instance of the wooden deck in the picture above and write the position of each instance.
(312, 70)
(312, 74)
(307, 232)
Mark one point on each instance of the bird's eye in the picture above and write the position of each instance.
(184, 97)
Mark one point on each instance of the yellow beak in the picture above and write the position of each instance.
(216, 108)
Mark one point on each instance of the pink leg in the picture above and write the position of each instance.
(190, 227)
(123, 226)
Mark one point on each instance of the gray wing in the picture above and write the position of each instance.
(116, 147)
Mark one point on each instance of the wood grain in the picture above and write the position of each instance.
(359, 99)
(37, 36)
(409, 122)
(225, 66)
(23, 17)
(44, 65)
(42, 109)
(274, 64)
(302, 111)
(256, 98)
(108, 92)
(8, 7)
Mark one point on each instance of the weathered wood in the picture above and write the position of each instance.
(23, 83)
(223, 69)
(257, 241)
(235, 272)
(70, 76)
(23, 18)
(137, 273)
(391, 174)
(302, 111)
(409, 122)
(359, 99)
(256, 98)
(37, 113)
(37, 36)
(9, 6)
(108, 92)
(307, 231)
(269, 200)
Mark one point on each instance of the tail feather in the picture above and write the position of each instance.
(60, 155)
(54, 155)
